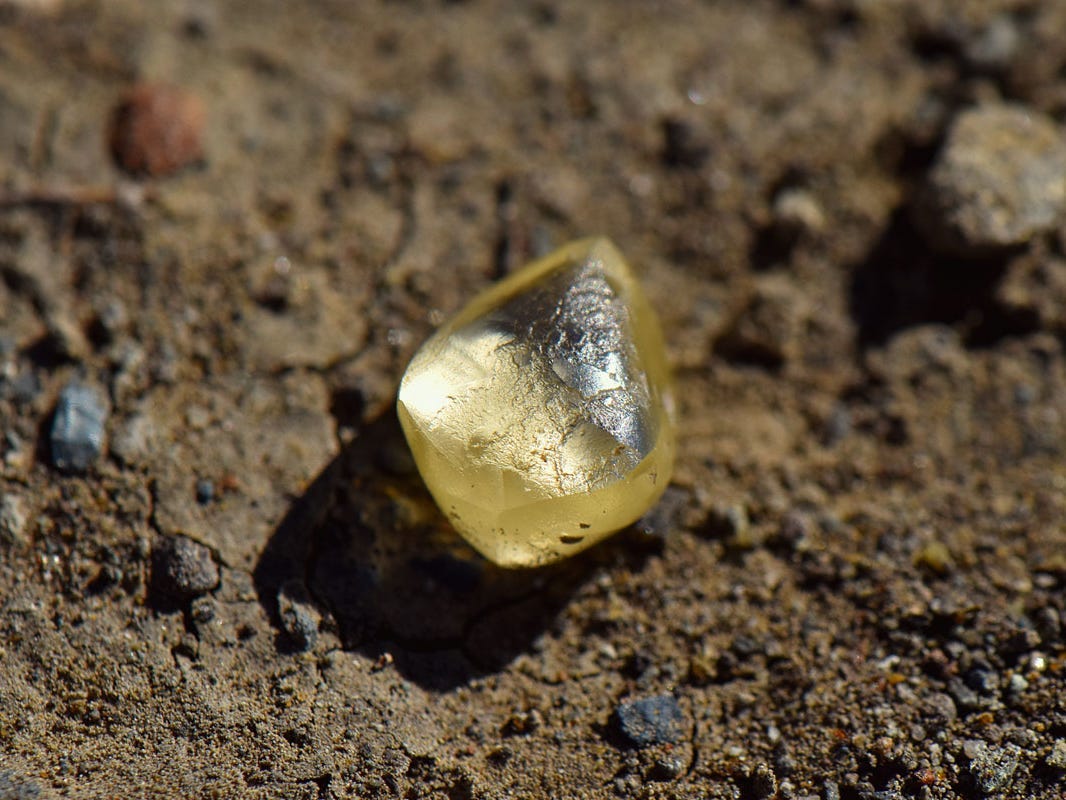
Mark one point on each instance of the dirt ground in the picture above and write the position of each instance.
(855, 588)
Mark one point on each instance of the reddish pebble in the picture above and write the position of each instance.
(157, 129)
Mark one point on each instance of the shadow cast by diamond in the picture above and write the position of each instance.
(373, 551)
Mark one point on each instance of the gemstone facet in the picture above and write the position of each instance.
(541, 417)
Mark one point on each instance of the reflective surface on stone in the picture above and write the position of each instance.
(541, 417)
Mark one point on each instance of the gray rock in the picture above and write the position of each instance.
(13, 520)
(993, 48)
(650, 720)
(14, 787)
(134, 440)
(991, 768)
(942, 708)
(22, 388)
(999, 180)
(299, 617)
(1057, 757)
(183, 569)
(78, 428)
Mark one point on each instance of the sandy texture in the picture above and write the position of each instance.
(855, 588)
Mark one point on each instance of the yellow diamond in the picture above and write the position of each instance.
(541, 417)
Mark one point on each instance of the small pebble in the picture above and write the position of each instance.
(667, 768)
(183, 569)
(991, 768)
(202, 611)
(78, 428)
(1048, 623)
(1057, 757)
(999, 180)
(299, 617)
(797, 210)
(731, 523)
(993, 49)
(942, 708)
(133, 441)
(13, 520)
(935, 557)
(205, 491)
(965, 697)
(157, 129)
(650, 720)
(23, 388)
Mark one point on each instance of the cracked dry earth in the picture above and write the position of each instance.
(854, 587)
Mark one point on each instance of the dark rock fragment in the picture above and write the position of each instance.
(78, 428)
(183, 569)
(299, 617)
(650, 721)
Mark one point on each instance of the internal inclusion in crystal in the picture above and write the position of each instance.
(541, 416)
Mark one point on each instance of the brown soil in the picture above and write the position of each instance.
(854, 588)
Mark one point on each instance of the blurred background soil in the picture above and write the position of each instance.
(225, 227)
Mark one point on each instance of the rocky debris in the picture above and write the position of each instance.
(650, 721)
(999, 180)
(183, 569)
(157, 129)
(78, 428)
(299, 617)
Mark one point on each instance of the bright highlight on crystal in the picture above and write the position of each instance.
(541, 417)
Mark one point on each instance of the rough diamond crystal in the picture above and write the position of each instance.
(541, 417)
